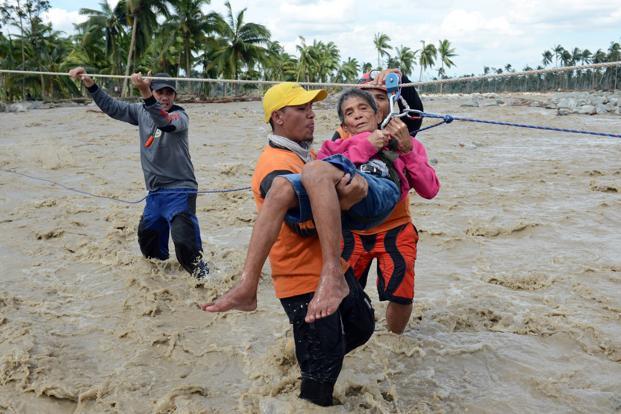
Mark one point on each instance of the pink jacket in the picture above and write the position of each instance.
(413, 167)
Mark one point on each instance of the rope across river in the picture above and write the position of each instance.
(444, 119)
(120, 200)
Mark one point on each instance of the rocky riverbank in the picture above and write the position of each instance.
(564, 103)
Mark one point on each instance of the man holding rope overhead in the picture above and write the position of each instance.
(167, 167)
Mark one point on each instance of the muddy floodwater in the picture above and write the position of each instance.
(518, 277)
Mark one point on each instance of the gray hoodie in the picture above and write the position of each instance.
(165, 158)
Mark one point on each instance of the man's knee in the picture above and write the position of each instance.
(282, 193)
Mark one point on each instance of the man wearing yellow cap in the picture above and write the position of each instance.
(330, 313)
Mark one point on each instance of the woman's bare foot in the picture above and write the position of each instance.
(242, 297)
(330, 293)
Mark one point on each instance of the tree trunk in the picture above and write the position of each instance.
(442, 67)
(186, 42)
(132, 45)
(21, 29)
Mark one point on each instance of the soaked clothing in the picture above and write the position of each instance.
(320, 347)
(408, 166)
(393, 243)
(295, 257)
(395, 253)
(381, 198)
(296, 262)
(174, 212)
(168, 175)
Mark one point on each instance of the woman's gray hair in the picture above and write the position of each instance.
(355, 93)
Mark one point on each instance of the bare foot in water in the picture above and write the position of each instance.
(330, 293)
(242, 297)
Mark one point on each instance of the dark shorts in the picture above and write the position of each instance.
(321, 346)
(382, 196)
(395, 252)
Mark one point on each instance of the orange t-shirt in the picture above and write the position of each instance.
(295, 260)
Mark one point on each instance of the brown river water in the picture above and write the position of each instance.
(518, 289)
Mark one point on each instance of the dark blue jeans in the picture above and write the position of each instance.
(382, 196)
(171, 211)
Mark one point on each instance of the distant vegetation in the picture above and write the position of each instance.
(177, 37)
(130, 37)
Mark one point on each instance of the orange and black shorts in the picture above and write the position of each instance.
(395, 252)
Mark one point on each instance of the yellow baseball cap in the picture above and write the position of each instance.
(289, 94)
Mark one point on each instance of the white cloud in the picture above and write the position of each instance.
(484, 32)
(63, 20)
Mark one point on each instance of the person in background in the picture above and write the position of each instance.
(167, 166)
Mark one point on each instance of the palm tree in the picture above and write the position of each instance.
(586, 56)
(189, 23)
(15, 15)
(599, 56)
(348, 71)
(164, 53)
(427, 57)
(106, 24)
(380, 41)
(392, 62)
(547, 58)
(406, 58)
(576, 56)
(142, 16)
(7, 61)
(558, 53)
(328, 57)
(614, 52)
(566, 58)
(279, 65)
(446, 52)
(307, 60)
(89, 50)
(243, 43)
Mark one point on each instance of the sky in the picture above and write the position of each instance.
(483, 32)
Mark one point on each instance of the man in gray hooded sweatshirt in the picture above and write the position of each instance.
(167, 167)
